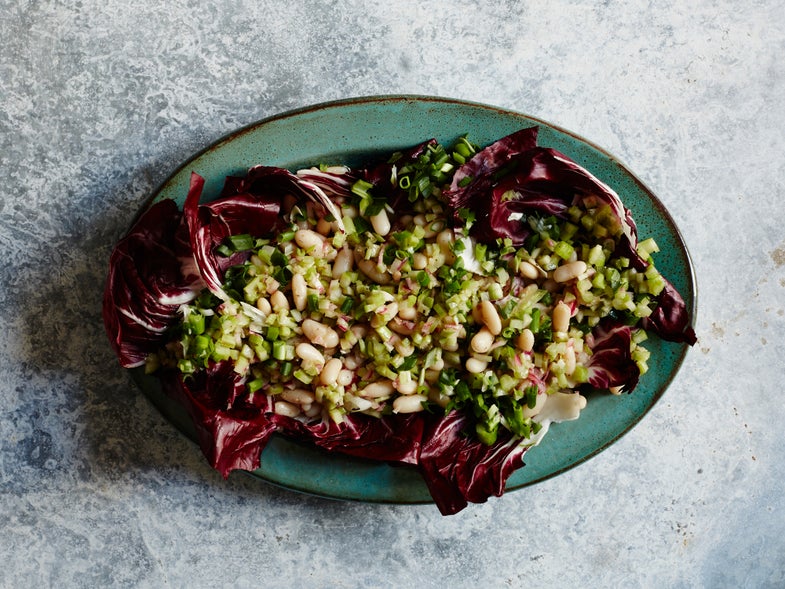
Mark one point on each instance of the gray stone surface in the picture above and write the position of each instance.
(99, 102)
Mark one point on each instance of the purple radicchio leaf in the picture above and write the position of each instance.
(459, 469)
(611, 363)
(255, 212)
(231, 431)
(670, 318)
(147, 284)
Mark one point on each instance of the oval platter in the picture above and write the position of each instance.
(352, 131)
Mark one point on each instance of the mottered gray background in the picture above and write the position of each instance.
(100, 102)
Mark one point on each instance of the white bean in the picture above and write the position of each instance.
(419, 261)
(314, 410)
(345, 377)
(433, 228)
(445, 239)
(368, 267)
(343, 262)
(406, 388)
(286, 408)
(264, 305)
(378, 389)
(407, 313)
(490, 317)
(381, 223)
(404, 347)
(569, 360)
(320, 334)
(482, 341)
(432, 376)
(435, 396)
(569, 271)
(299, 291)
(308, 353)
(331, 371)
(311, 241)
(279, 301)
(528, 270)
(401, 326)
(561, 317)
(298, 396)
(475, 365)
(525, 341)
(409, 404)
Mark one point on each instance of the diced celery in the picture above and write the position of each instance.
(647, 247)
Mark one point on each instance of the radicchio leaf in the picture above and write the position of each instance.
(381, 174)
(146, 284)
(253, 209)
(231, 434)
(611, 363)
(458, 468)
(670, 318)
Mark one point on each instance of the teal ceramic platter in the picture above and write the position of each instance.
(352, 131)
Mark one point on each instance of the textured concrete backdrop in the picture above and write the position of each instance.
(101, 100)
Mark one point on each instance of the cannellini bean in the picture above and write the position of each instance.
(409, 404)
(351, 362)
(490, 317)
(345, 377)
(406, 388)
(528, 270)
(298, 396)
(404, 347)
(433, 228)
(475, 365)
(264, 305)
(279, 301)
(331, 371)
(320, 334)
(525, 340)
(407, 313)
(419, 261)
(343, 262)
(445, 239)
(310, 240)
(286, 408)
(435, 396)
(368, 267)
(569, 360)
(314, 410)
(358, 330)
(569, 271)
(432, 376)
(561, 317)
(381, 223)
(380, 388)
(308, 353)
(482, 341)
(299, 292)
